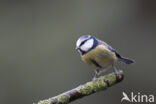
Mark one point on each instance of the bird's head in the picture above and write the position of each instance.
(86, 43)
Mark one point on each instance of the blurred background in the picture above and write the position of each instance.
(38, 59)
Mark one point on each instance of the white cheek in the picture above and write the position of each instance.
(78, 43)
(87, 45)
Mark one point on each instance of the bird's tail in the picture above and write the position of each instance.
(126, 60)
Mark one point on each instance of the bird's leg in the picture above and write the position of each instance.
(96, 75)
(118, 74)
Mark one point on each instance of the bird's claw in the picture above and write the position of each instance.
(118, 76)
(94, 79)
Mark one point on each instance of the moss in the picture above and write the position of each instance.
(85, 89)
(43, 102)
(63, 98)
(101, 83)
(90, 87)
(98, 85)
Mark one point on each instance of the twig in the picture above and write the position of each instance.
(101, 83)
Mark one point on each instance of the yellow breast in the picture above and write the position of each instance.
(103, 56)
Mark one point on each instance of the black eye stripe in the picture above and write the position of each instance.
(84, 41)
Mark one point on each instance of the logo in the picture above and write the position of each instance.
(137, 97)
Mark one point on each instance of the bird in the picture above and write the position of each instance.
(99, 55)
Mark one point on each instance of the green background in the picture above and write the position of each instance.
(38, 59)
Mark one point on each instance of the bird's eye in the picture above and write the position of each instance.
(88, 44)
(83, 42)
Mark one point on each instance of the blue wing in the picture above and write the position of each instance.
(108, 46)
(121, 58)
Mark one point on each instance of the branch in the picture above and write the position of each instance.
(101, 83)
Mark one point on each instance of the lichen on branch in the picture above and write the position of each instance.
(101, 83)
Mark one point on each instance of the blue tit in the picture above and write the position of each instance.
(99, 55)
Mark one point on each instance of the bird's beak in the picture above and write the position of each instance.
(77, 48)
